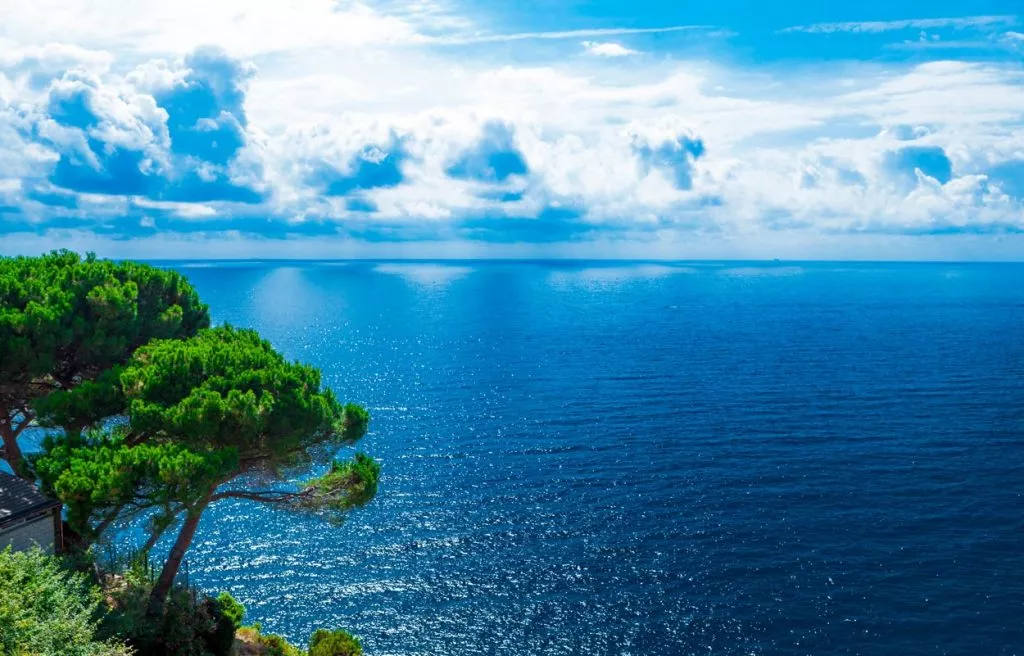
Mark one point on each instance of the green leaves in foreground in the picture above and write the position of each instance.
(47, 611)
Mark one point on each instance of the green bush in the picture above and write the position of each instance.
(189, 626)
(334, 643)
(227, 616)
(46, 610)
(231, 609)
(267, 644)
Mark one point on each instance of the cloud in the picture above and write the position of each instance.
(107, 143)
(1013, 40)
(458, 40)
(875, 27)
(674, 155)
(205, 115)
(179, 143)
(366, 124)
(39, 64)
(607, 49)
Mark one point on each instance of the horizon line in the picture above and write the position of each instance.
(257, 260)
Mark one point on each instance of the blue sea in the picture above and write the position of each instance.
(642, 459)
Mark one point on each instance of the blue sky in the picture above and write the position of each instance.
(542, 128)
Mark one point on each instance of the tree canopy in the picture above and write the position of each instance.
(200, 413)
(66, 320)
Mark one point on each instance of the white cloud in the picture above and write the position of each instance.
(239, 26)
(608, 49)
(874, 27)
(564, 34)
(251, 28)
(610, 149)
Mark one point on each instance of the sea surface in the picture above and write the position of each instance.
(642, 459)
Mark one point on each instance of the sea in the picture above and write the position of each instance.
(647, 458)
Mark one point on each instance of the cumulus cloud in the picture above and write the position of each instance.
(372, 167)
(674, 155)
(608, 49)
(107, 143)
(397, 145)
(176, 143)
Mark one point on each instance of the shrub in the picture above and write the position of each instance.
(231, 609)
(265, 644)
(227, 616)
(189, 626)
(46, 610)
(334, 643)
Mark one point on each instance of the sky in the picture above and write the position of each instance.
(541, 128)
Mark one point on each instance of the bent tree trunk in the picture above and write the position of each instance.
(12, 452)
(170, 570)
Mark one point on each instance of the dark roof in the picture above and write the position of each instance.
(19, 497)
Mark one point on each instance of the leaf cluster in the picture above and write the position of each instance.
(64, 318)
(334, 643)
(99, 471)
(46, 610)
(200, 412)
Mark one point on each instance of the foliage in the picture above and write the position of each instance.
(231, 608)
(188, 626)
(348, 484)
(65, 321)
(46, 610)
(356, 420)
(334, 643)
(201, 412)
(62, 316)
(257, 643)
(99, 473)
(227, 613)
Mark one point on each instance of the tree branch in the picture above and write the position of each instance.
(161, 527)
(26, 418)
(269, 496)
(107, 521)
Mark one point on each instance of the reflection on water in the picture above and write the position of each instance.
(609, 459)
(609, 275)
(427, 275)
(762, 271)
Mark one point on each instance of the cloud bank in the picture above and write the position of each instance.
(382, 135)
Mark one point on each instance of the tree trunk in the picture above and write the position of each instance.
(12, 452)
(181, 544)
(155, 536)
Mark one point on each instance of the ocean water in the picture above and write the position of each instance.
(649, 459)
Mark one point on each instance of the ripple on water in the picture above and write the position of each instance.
(606, 459)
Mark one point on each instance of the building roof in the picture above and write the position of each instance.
(19, 497)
